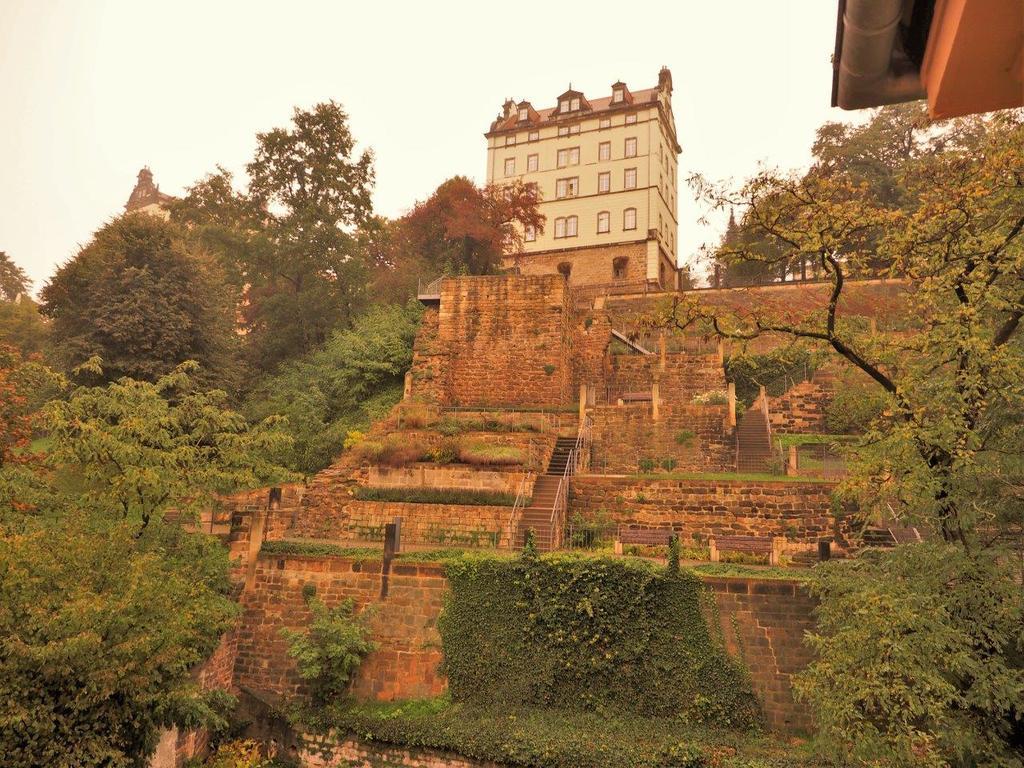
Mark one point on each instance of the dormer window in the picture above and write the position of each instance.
(574, 105)
(564, 106)
(524, 114)
(617, 96)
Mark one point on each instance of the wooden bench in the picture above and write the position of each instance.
(755, 545)
(636, 397)
(648, 537)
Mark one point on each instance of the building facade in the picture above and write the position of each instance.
(607, 172)
(147, 197)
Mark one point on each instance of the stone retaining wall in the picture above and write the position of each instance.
(438, 524)
(404, 625)
(764, 622)
(801, 410)
(694, 436)
(434, 476)
(697, 509)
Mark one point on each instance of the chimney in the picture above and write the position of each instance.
(665, 80)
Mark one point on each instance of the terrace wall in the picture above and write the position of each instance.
(696, 509)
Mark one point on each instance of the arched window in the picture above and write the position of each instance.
(628, 218)
(604, 222)
(620, 267)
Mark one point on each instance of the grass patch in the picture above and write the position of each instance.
(392, 451)
(460, 496)
(553, 738)
(756, 477)
(318, 549)
(483, 453)
(742, 571)
(808, 439)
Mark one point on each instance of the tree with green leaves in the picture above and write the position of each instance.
(13, 280)
(107, 599)
(353, 380)
(141, 299)
(943, 453)
(290, 240)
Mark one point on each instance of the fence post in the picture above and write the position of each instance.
(583, 402)
(792, 466)
(662, 348)
(732, 403)
(407, 393)
(655, 398)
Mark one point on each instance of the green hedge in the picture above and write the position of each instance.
(586, 633)
(437, 496)
(318, 549)
(554, 738)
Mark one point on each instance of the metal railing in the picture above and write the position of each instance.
(561, 504)
(517, 509)
(430, 289)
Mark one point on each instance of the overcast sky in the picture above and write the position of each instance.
(92, 90)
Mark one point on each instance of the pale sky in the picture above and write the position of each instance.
(92, 90)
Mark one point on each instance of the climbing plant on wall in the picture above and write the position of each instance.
(588, 634)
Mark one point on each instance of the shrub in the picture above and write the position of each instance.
(331, 649)
(446, 452)
(668, 464)
(549, 369)
(392, 451)
(238, 754)
(853, 409)
(414, 417)
(483, 453)
(646, 465)
(685, 437)
(673, 555)
(715, 397)
(466, 496)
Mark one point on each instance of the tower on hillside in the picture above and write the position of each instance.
(607, 172)
(147, 197)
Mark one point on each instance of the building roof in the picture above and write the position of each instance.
(146, 192)
(588, 107)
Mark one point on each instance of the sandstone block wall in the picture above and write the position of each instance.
(685, 376)
(506, 341)
(452, 476)
(764, 622)
(589, 266)
(624, 434)
(801, 410)
(697, 509)
(437, 524)
(404, 625)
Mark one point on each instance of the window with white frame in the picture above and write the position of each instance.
(571, 226)
(570, 156)
(563, 106)
(631, 118)
(534, 135)
(530, 233)
(524, 114)
(604, 122)
(563, 130)
(532, 163)
(510, 140)
(630, 149)
(510, 166)
(559, 227)
(574, 129)
(575, 103)
(629, 218)
(567, 187)
(617, 96)
(604, 222)
(604, 182)
(604, 150)
(629, 178)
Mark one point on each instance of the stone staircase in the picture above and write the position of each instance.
(545, 490)
(753, 445)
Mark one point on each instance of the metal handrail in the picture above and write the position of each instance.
(561, 501)
(517, 507)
